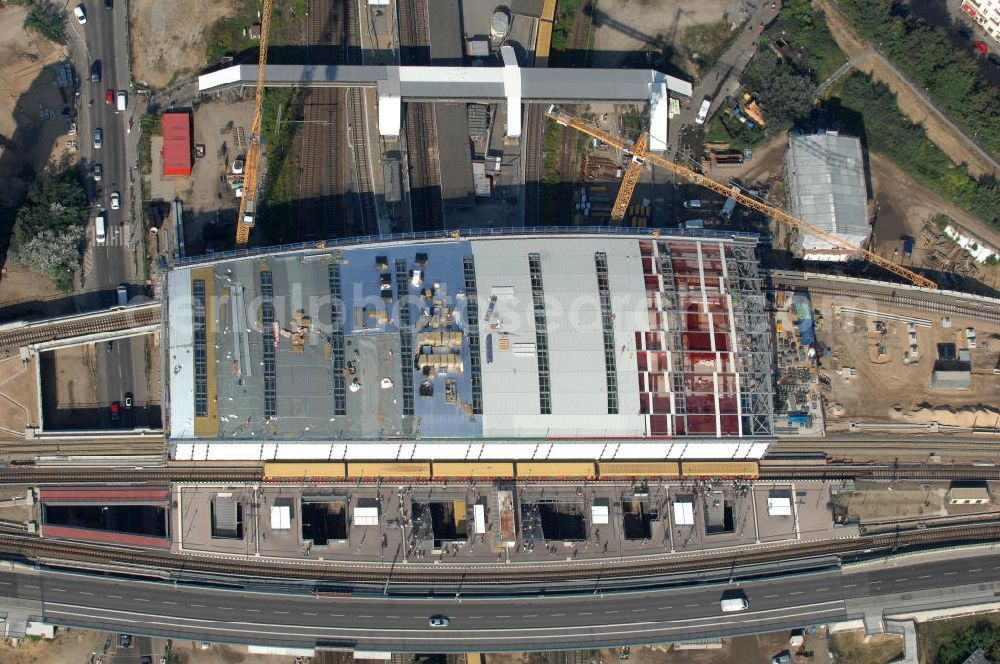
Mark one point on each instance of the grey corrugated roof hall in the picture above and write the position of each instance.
(826, 186)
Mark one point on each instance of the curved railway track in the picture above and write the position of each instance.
(34, 548)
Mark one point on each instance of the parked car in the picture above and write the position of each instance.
(782, 658)
(98, 138)
(116, 414)
(706, 105)
(95, 72)
(80, 13)
(98, 172)
(125, 640)
(116, 200)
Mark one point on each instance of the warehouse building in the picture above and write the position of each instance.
(601, 345)
(826, 188)
(176, 143)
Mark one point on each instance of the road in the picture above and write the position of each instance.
(101, 45)
(591, 620)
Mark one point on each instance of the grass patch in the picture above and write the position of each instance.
(279, 192)
(868, 109)
(951, 641)
(48, 20)
(704, 44)
(150, 124)
(229, 37)
(562, 33)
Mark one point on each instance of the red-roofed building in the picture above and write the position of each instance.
(176, 144)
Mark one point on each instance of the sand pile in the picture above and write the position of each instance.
(980, 415)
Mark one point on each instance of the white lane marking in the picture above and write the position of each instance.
(663, 608)
(557, 615)
(109, 596)
(691, 606)
(56, 590)
(973, 571)
(503, 616)
(200, 606)
(175, 603)
(36, 587)
(336, 615)
(253, 610)
(902, 579)
(950, 573)
(925, 576)
(530, 615)
(584, 613)
(516, 633)
(143, 599)
(306, 613)
(819, 590)
(285, 613)
(638, 610)
(226, 608)
(5, 583)
(611, 612)
(389, 617)
(769, 596)
(850, 585)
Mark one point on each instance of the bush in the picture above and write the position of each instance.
(810, 33)
(48, 20)
(928, 56)
(887, 131)
(785, 94)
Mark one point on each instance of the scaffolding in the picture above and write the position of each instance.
(753, 354)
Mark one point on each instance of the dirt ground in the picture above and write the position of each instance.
(768, 159)
(905, 206)
(22, 285)
(68, 646)
(853, 648)
(168, 38)
(71, 372)
(635, 25)
(740, 650)
(191, 653)
(874, 501)
(946, 138)
(884, 389)
(18, 397)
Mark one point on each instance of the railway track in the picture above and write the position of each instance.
(420, 124)
(31, 547)
(128, 475)
(534, 127)
(321, 179)
(890, 472)
(112, 321)
(902, 298)
(358, 130)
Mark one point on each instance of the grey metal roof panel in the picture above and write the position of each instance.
(592, 84)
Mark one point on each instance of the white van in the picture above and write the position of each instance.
(732, 604)
(706, 105)
(100, 224)
(122, 100)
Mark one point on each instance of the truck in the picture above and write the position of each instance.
(122, 100)
(730, 205)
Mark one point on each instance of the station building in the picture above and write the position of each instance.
(541, 344)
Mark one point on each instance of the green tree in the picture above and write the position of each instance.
(48, 20)
(981, 636)
(785, 93)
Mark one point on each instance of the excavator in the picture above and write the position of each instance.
(638, 153)
(251, 174)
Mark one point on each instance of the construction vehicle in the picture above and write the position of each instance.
(638, 155)
(247, 216)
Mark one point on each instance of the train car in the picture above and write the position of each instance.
(555, 469)
(449, 469)
(275, 471)
(652, 469)
(376, 470)
(707, 469)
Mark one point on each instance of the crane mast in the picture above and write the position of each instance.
(639, 155)
(251, 175)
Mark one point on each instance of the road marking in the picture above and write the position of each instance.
(253, 610)
(850, 585)
(140, 599)
(306, 613)
(336, 615)
(796, 592)
(663, 608)
(503, 616)
(611, 612)
(389, 617)
(285, 613)
(819, 590)
(58, 590)
(978, 569)
(902, 579)
(950, 573)
(475, 617)
(359, 616)
(83, 592)
(558, 615)
(766, 597)
(200, 606)
(925, 576)
(689, 606)
(530, 615)
(166, 602)
(36, 587)
(584, 613)
(226, 608)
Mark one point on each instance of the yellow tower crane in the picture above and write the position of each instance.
(639, 155)
(251, 173)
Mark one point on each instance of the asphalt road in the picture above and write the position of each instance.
(602, 619)
(101, 45)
